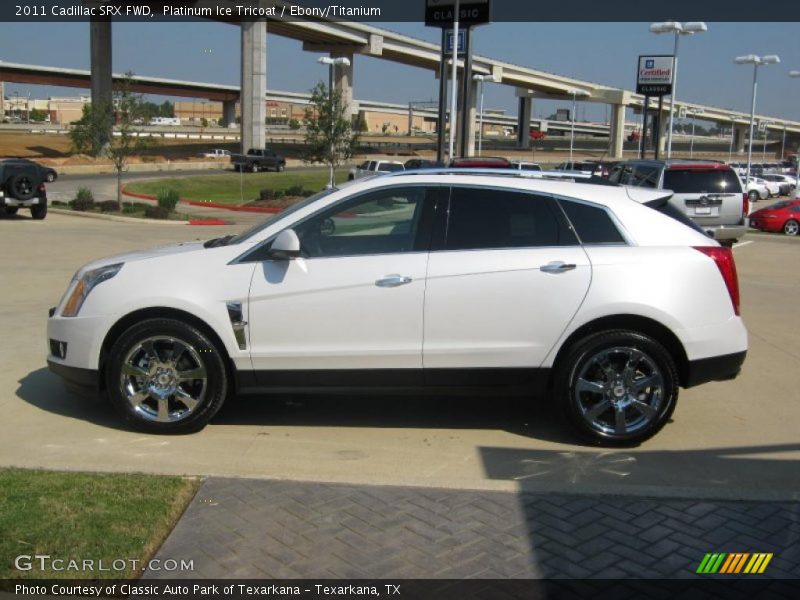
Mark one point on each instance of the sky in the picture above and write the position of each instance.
(604, 53)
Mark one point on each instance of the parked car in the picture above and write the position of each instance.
(417, 281)
(374, 167)
(708, 192)
(258, 160)
(22, 186)
(782, 216)
(522, 165)
(786, 184)
(773, 188)
(217, 153)
(421, 163)
(480, 162)
(587, 167)
(535, 134)
(756, 189)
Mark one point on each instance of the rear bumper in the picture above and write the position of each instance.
(716, 368)
(727, 232)
(6, 201)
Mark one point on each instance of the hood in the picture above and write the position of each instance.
(138, 255)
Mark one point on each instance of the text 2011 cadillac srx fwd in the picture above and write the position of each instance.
(597, 297)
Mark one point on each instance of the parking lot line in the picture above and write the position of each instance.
(738, 244)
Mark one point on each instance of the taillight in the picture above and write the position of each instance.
(723, 258)
(745, 204)
(42, 188)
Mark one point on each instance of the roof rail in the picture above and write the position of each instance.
(568, 176)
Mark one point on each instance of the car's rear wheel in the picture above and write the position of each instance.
(280, 167)
(791, 227)
(753, 195)
(617, 388)
(165, 376)
(50, 177)
(254, 168)
(39, 211)
(11, 210)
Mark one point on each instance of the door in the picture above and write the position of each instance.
(353, 301)
(503, 283)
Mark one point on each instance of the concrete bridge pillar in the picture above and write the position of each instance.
(617, 131)
(229, 111)
(254, 84)
(343, 82)
(470, 117)
(741, 137)
(524, 118)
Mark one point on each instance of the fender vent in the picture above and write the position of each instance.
(238, 323)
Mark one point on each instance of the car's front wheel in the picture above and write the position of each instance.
(791, 227)
(617, 388)
(165, 376)
(753, 195)
(280, 168)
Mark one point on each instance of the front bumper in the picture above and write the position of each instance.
(82, 381)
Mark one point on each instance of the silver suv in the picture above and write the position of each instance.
(709, 193)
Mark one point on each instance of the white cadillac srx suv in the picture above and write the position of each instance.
(602, 298)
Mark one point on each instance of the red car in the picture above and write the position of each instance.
(476, 162)
(535, 134)
(781, 216)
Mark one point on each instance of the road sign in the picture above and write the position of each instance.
(448, 48)
(439, 13)
(682, 112)
(654, 75)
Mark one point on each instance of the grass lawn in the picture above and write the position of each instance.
(86, 516)
(224, 189)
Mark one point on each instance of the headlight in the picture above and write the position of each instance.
(86, 283)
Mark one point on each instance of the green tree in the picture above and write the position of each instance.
(37, 116)
(330, 138)
(294, 124)
(167, 109)
(90, 134)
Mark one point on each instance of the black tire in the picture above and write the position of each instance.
(22, 186)
(11, 210)
(791, 227)
(280, 168)
(655, 365)
(753, 196)
(254, 168)
(202, 353)
(39, 211)
(51, 176)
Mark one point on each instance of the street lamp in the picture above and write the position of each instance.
(575, 93)
(694, 112)
(756, 61)
(332, 62)
(678, 29)
(764, 149)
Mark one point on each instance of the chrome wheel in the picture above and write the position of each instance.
(791, 227)
(619, 391)
(163, 379)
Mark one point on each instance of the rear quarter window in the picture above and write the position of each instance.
(592, 223)
(682, 181)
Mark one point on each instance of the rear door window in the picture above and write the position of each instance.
(688, 181)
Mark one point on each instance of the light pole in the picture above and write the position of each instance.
(797, 157)
(575, 93)
(694, 112)
(756, 61)
(332, 62)
(730, 147)
(678, 29)
(454, 82)
(480, 79)
(764, 149)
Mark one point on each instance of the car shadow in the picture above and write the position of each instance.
(45, 391)
(520, 416)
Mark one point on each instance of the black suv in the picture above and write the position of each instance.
(22, 185)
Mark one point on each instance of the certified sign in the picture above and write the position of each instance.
(654, 76)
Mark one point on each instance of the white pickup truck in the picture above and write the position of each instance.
(374, 167)
(217, 153)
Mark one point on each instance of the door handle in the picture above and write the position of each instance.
(557, 266)
(393, 281)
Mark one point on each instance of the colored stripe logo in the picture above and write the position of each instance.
(734, 563)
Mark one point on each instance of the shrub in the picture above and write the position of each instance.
(307, 193)
(295, 190)
(268, 194)
(294, 124)
(84, 200)
(156, 212)
(108, 206)
(134, 207)
(168, 199)
(279, 194)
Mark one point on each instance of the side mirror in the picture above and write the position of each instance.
(286, 246)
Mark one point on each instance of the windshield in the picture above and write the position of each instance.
(683, 181)
(245, 235)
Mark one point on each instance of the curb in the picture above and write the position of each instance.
(118, 218)
(207, 204)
